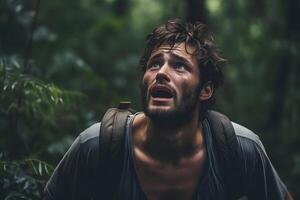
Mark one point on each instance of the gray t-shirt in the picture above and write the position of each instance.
(74, 177)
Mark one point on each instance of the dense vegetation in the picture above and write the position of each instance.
(63, 63)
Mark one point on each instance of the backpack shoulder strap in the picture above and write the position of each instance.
(113, 125)
(223, 133)
(111, 146)
(227, 147)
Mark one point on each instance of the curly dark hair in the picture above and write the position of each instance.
(197, 35)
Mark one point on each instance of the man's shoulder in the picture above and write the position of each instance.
(91, 133)
(244, 132)
(247, 139)
(87, 141)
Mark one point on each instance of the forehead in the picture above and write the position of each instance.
(182, 50)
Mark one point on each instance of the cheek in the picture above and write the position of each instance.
(189, 84)
(144, 83)
(146, 79)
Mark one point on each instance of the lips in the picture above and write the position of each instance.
(161, 91)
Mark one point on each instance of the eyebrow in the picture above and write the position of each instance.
(156, 56)
(181, 58)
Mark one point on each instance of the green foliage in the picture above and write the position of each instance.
(27, 95)
(29, 105)
(23, 179)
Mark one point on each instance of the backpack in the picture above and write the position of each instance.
(111, 137)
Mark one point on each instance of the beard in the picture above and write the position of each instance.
(183, 111)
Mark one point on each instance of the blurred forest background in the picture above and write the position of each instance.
(63, 63)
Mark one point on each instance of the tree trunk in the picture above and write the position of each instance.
(196, 11)
(290, 34)
(121, 7)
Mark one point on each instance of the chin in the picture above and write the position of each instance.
(165, 116)
(153, 110)
(159, 111)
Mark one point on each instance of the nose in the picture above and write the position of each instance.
(162, 74)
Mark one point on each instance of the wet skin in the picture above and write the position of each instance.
(170, 157)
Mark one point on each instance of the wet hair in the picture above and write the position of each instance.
(197, 35)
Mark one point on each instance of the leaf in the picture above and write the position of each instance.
(4, 167)
(16, 63)
(34, 168)
(14, 85)
(46, 169)
(40, 169)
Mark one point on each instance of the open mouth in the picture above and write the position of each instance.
(161, 92)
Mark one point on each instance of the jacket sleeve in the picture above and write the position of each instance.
(260, 179)
(74, 175)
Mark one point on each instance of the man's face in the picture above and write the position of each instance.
(171, 84)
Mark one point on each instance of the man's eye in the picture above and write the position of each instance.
(154, 65)
(180, 66)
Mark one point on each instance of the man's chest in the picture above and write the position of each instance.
(169, 181)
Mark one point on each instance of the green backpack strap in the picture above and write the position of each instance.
(111, 147)
(227, 146)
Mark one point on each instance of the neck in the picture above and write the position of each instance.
(172, 143)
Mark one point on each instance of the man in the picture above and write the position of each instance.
(169, 152)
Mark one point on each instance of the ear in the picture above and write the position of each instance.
(206, 91)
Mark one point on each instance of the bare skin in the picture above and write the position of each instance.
(170, 159)
(167, 170)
